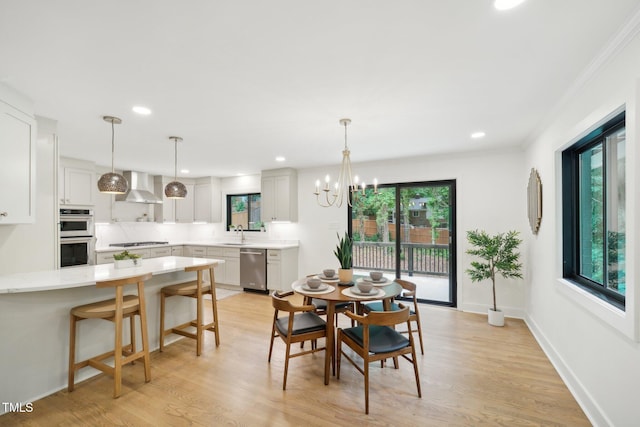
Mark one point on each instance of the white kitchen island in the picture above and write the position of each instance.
(34, 321)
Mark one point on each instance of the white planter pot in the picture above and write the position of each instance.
(496, 318)
(128, 263)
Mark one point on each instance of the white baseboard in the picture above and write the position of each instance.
(512, 312)
(588, 404)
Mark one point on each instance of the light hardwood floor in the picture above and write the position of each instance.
(471, 373)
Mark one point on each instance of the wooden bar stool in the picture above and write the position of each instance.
(114, 310)
(193, 289)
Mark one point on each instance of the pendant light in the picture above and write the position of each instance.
(111, 182)
(175, 189)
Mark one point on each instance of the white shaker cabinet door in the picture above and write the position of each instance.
(17, 165)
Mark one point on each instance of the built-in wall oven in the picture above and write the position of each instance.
(77, 240)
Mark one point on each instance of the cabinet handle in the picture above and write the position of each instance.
(5, 214)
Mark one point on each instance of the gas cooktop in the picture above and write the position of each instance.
(130, 244)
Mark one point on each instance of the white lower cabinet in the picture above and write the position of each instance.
(232, 263)
(158, 252)
(177, 250)
(104, 257)
(228, 272)
(220, 270)
(282, 268)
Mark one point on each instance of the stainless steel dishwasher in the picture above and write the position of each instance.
(253, 269)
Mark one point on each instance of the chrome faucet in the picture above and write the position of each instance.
(239, 227)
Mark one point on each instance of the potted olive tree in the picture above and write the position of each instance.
(501, 257)
(344, 253)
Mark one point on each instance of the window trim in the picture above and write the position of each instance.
(571, 206)
(228, 197)
(624, 322)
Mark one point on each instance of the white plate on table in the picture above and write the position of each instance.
(322, 287)
(382, 282)
(355, 292)
(327, 279)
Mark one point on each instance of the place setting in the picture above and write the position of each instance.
(328, 275)
(376, 278)
(363, 288)
(312, 285)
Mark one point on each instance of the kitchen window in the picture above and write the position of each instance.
(244, 210)
(594, 208)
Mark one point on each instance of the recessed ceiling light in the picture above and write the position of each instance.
(280, 159)
(141, 110)
(478, 135)
(506, 4)
(184, 170)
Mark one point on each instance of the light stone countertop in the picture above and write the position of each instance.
(73, 277)
(253, 245)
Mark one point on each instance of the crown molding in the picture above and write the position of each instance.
(617, 43)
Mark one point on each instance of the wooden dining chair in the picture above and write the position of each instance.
(409, 290)
(299, 325)
(375, 339)
(114, 310)
(195, 289)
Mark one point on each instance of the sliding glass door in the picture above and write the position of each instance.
(407, 231)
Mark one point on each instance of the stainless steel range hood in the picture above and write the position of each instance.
(138, 189)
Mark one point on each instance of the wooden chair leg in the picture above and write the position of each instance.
(286, 366)
(366, 386)
(144, 332)
(132, 334)
(214, 308)
(199, 322)
(420, 337)
(72, 352)
(117, 355)
(162, 302)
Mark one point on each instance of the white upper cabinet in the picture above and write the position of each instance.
(279, 189)
(207, 200)
(165, 212)
(17, 163)
(184, 207)
(174, 210)
(78, 186)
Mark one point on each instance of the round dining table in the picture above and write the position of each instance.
(334, 293)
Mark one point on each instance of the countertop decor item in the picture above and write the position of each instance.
(346, 182)
(126, 259)
(111, 182)
(175, 189)
(501, 256)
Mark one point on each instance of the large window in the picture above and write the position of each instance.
(244, 210)
(593, 202)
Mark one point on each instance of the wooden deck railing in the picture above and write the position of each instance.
(414, 257)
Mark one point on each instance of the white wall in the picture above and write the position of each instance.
(32, 247)
(593, 347)
(489, 196)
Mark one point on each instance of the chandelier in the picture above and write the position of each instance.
(346, 181)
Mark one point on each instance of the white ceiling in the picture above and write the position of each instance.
(243, 81)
